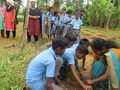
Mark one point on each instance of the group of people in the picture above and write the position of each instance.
(53, 23)
(53, 65)
(8, 19)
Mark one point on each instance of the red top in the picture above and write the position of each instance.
(10, 20)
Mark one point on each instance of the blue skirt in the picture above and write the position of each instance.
(98, 69)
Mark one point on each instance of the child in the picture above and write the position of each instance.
(41, 70)
(76, 24)
(67, 20)
(61, 21)
(85, 42)
(55, 24)
(71, 40)
(50, 14)
(70, 55)
(47, 26)
(2, 21)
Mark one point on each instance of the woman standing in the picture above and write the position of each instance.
(10, 18)
(34, 22)
(2, 21)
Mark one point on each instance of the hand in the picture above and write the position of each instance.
(12, 20)
(35, 17)
(90, 82)
(86, 87)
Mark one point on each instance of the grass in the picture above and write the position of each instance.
(15, 62)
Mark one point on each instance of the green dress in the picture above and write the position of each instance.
(1, 22)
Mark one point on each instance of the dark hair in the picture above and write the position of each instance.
(59, 41)
(50, 8)
(85, 42)
(71, 37)
(100, 43)
(111, 44)
(64, 8)
(82, 49)
(55, 12)
(9, 9)
(69, 11)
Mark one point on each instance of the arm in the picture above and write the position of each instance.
(99, 79)
(49, 85)
(50, 70)
(77, 67)
(30, 16)
(67, 21)
(85, 87)
(74, 72)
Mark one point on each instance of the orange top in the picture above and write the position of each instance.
(117, 51)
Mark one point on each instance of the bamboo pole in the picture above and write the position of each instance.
(111, 10)
(24, 37)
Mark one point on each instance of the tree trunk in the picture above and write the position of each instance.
(1, 3)
(24, 37)
(107, 26)
(19, 3)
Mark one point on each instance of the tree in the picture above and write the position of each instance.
(98, 13)
(23, 41)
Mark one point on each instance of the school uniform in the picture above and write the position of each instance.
(76, 24)
(54, 26)
(69, 57)
(42, 66)
(60, 25)
(68, 25)
(61, 20)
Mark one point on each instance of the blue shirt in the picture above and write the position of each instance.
(76, 23)
(42, 66)
(49, 14)
(69, 55)
(56, 20)
(67, 18)
(61, 20)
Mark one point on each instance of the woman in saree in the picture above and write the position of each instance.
(105, 71)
